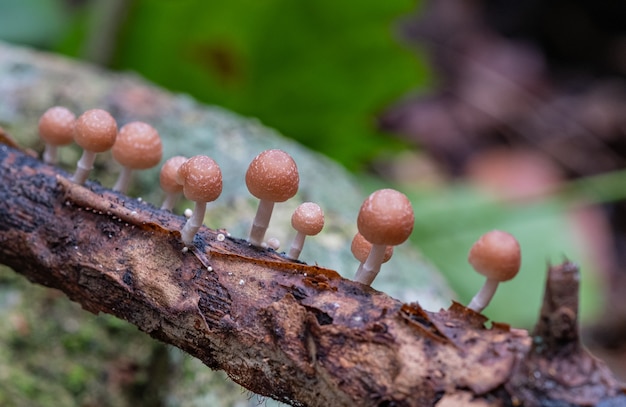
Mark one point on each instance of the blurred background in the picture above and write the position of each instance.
(487, 114)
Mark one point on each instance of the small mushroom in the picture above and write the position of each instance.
(307, 220)
(201, 179)
(56, 128)
(273, 243)
(497, 256)
(361, 249)
(385, 219)
(137, 147)
(167, 179)
(271, 177)
(95, 131)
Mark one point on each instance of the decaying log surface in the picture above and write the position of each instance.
(291, 331)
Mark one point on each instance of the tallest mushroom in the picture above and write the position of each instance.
(385, 219)
(272, 177)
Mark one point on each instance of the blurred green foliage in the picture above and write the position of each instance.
(39, 23)
(449, 221)
(319, 72)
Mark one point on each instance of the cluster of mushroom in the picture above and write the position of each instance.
(385, 219)
(272, 177)
(136, 146)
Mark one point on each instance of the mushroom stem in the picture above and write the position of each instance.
(367, 271)
(50, 155)
(484, 296)
(193, 223)
(261, 221)
(170, 201)
(123, 180)
(296, 246)
(84, 167)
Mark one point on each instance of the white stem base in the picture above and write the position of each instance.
(170, 201)
(84, 167)
(484, 296)
(123, 180)
(193, 224)
(367, 271)
(260, 222)
(296, 246)
(50, 154)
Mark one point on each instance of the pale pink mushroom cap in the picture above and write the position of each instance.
(201, 179)
(361, 249)
(273, 176)
(95, 131)
(386, 218)
(167, 177)
(138, 146)
(308, 219)
(496, 255)
(56, 126)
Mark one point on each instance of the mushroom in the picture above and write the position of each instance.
(137, 147)
(201, 179)
(167, 179)
(95, 131)
(271, 177)
(273, 243)
(361, 249)
(307, 220)
(56, 128)
(385, 219)
(497, 256)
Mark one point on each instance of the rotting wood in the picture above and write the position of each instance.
(298, 333)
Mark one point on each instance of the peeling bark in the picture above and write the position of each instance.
(298, 333)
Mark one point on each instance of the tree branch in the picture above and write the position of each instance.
(298, 333)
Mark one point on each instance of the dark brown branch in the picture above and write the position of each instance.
(298, 333)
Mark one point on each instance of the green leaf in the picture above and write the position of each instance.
(449, 221)
(318, 71)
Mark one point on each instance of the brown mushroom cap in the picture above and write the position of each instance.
(496, 255)
(167, 177)
(361, 249)
(273, 176)
(308, 218)
(386, 218)
(56, 126)
(138, 146)
(95, 131)
(201, 179)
